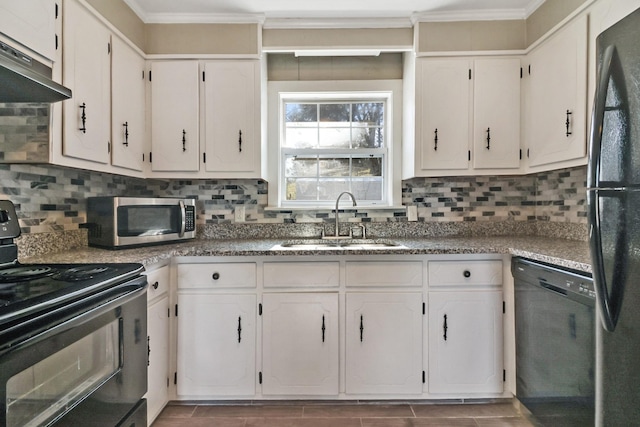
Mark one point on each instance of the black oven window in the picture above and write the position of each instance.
(48, 388)
(148, 220)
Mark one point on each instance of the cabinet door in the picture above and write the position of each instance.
(232, 117)
(158, 369)
(127, 106)
(443, 107)
(465, 342)
(32, 23)
(384, 343)
(216, 345)
(174, 116)
(87, 72)
(557, 96)
(300, 344)
(496, 113)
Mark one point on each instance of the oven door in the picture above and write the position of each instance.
(86, 371)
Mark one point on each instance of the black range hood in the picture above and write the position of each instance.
(23, 79)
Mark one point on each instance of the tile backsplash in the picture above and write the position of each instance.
(51, 198)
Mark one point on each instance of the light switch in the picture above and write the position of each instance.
(412, 213)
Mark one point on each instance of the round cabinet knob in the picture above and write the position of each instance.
(216, 276)
(155, 285)
(466, 274)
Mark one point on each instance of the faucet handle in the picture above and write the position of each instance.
(363, 230)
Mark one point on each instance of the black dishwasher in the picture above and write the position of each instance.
(555, 343)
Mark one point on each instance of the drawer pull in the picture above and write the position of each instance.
(155, 285)
(239, 329)
(361, 327)
(323, 328)
(466, 274)
(216, 276)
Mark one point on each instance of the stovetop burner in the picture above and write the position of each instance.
(81, 272)
(23, 272)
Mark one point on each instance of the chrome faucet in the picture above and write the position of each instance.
(337, 234)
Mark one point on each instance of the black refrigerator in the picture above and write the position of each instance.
(614, 221)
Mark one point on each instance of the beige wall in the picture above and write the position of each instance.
(548, 15)
(202, 39)
(389, 38)
(287, 67)
(123, 18)
(471, 36)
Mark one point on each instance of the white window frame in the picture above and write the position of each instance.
(389, 90)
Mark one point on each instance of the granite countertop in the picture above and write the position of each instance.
(572, 254)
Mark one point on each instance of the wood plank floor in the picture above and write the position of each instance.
(314, 414)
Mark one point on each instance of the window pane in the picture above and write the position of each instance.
(302, 189)
(331, 188)
(371, 166)
(366, 137)
(367, 189)
(301, 112)
(301, 137)
(298, 167)
(334, 113)
(334, 167)
(370, 113)
(335, 138)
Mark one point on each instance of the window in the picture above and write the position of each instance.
(329, 142)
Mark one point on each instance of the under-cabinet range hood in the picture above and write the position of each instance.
(23, 79)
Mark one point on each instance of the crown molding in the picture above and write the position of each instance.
(470, 15)
(331, 23)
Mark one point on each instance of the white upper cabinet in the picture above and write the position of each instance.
(496, 113)
(127, 106)
(232, 118)
(87, 72)
(467, 116)
(174, 116)
(32, 23)
(443, 111)
(556, 97)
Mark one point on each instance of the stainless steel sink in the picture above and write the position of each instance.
(346, 244)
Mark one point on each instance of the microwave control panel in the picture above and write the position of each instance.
(189, 218)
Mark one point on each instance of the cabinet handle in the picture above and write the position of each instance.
(435, 140)
(445, 327)
(466, 274)
(126, 134)
(155, 285)
(361, 327)
(568, 123)
(239, 329)
(148, 350)
(184, 140)
(488, 138)
(83, 117)
(240, 141)
(323, 328)
(215, 276)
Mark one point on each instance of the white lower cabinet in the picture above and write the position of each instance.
(384, 343)
(158, 323)
(300, 344)
(216, 345)
(465, 342)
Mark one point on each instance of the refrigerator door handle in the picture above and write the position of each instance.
(597, 117)
(609, 296)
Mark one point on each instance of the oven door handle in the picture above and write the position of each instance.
(183, 218)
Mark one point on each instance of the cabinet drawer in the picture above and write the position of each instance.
(446, 273)
(309, 274)
(212, 276)
(384, 273)
(158, 282)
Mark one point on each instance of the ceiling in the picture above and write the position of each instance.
(167, 11)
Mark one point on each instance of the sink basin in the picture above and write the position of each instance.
(347, 244)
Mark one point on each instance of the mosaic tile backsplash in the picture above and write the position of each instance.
(51, 198)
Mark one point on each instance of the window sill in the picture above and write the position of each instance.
(331, 209)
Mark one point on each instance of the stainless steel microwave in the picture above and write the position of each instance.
(118, 222)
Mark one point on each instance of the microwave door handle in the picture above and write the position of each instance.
(597, 118)
(183, 218)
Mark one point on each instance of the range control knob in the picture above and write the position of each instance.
(4, 216)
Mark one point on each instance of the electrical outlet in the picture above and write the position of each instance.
(412, 213)
(238, 213)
